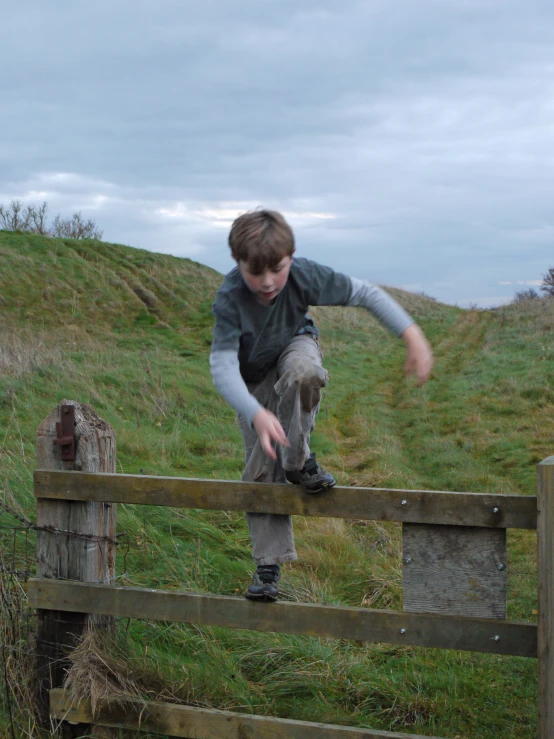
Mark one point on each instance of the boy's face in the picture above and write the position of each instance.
(267, 285)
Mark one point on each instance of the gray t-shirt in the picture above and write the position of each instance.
(249, 337)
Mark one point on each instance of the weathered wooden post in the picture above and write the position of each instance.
(545, 540)
(75, 540)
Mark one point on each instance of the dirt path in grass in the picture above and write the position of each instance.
(461, 346)
(434, 425)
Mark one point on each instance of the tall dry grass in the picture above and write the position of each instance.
(17, 629)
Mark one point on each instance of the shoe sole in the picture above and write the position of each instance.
(263, 597)
(325, 486)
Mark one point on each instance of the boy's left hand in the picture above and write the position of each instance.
(419, 357)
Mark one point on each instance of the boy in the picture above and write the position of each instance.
(266, 362)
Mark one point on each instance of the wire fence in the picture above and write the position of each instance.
(17, 626)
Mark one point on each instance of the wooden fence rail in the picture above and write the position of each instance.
(462, 534)
(339, 622)
(205, 723)
(363, 504)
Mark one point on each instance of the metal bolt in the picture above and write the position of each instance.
(496, 510)
(407, 560)
(404, 502)
(497, 638)
(500, 566)
(402, 631)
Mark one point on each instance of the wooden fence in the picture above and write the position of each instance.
(453, 561)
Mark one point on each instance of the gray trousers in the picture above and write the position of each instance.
(292, 391)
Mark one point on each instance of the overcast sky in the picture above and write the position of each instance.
(408, 142)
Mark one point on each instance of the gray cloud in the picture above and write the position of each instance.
(426, 129)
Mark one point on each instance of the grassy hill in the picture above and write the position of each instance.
(128, 331)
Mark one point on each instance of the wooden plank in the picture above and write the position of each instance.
(362, 624)
(75, 540)
(545, 537)
(459, 570)
(413, 506)
(204, 723)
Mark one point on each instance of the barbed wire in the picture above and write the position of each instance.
(30, 526)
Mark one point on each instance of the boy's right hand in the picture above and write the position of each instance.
(269, 430)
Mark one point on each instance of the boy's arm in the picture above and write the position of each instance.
(224, 358)
(380, 303)
(327, 287)
(225, 369)
(419, 357)
(324, 286)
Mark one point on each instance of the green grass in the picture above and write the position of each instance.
(128, 331)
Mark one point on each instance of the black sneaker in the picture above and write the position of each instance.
(313, 478)
(264, 583)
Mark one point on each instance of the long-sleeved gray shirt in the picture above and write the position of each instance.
(248, 337)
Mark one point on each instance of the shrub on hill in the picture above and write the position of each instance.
(529, 294)
(33, 219)
(548, 282)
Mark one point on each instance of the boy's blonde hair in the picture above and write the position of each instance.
(261, 238)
